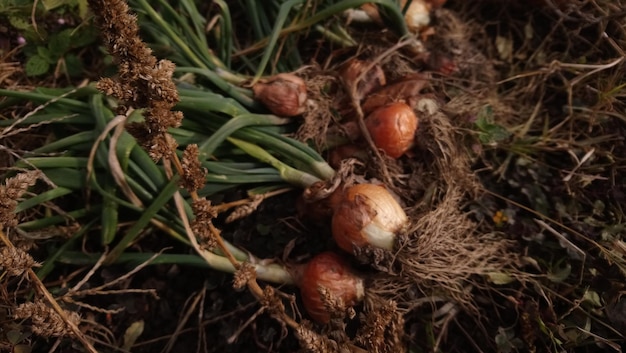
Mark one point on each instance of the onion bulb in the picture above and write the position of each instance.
(392, 128)
(332, 272)
(417, 16)
(367, 215)
(283, 94)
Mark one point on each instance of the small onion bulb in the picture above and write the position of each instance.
(367, 215)
(393, 128)
(417, 16)
(332, 272)
(283, 94)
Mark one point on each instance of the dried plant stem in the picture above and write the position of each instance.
(198, 298)
(173, 157)
(226, 206)
(355, 101)
(41, 288)
(252, 283)
(361, 121)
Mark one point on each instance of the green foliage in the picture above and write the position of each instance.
(36, 65)
(49, 47)
(488, 131)
(43, 55)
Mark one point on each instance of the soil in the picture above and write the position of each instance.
(514, 189)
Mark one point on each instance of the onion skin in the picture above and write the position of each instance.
(332, 272)
(405, 89)
(371, 80)
(343, 152)
(393, 128)
(317, 202)
(368, 215)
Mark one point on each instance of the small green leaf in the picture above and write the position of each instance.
(19, 22)
(53, 4)
(559, 275)
(593, 298)
(132, 333)
(499, 278)
(45, 54)
(14, 336)
(83, 37)
(59, 43)
(36, 65)
(73, 65)
(83, 9)
(488, 131)
(35, 37)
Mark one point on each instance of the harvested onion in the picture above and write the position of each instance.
(367, 215)
(283, 94)
(392, 128)
(332, 272)
(417, 16)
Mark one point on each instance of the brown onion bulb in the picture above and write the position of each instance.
(392, 128)
(283, 94)
(368, 215)
(332, 272)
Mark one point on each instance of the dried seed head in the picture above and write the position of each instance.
(201, 225)
(243, 275)
(10, 192)
(15, 261)
(312, 341)
(45, 321)
(283, 94)
(194, 174)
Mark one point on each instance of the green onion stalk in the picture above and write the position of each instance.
(180, 32)
(225, 132)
